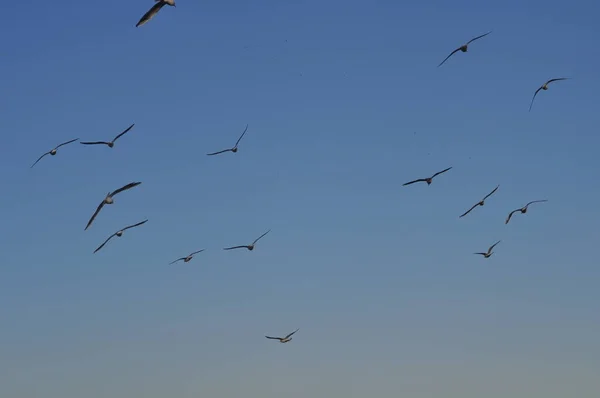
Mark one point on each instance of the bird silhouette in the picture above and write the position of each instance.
(154, 10)
(283, 339)
(249, 247)
(523, 209)
(464, 47)
(544, 87)
(429, 179)
(108, 200)
(119, 233)
(480, 203)
(235, 147)
(489, 252)
(111, 143)
(187, 258)
(53, 151)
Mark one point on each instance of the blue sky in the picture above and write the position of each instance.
(344, 103)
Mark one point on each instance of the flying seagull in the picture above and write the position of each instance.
(154, 10)
(53, 151)
(188, 258)
(523, 209)
(427, 180)
(249, 247)
(111, 143)
(234, 149)
(283, 339)
(480, 203)
(119, 234)
(464, 47)
(544, 87)
(489, 252)
(108, 200)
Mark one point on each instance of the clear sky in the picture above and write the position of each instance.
(344, 103)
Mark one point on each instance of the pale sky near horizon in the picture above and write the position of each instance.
(344, 103)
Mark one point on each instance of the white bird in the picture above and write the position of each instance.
(154, 10)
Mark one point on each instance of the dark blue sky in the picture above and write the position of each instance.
(344, 103)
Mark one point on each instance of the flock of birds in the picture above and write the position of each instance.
(109, 198)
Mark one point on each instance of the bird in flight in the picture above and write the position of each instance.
(111, 143)
(249, 247)
(523, 209)
(234, 149)
(188, 258)
(119, 234)
(53, 151)
(283, 339)
(489, 252)
(464, 47)
(544, 87)
(480, 203)
(108, 200)
(427, 180)
(154, 10)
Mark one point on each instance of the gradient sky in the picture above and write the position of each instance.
(344, 103)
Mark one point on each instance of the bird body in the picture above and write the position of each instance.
(285, 339)
(119, 233)
(523, 209)
(250, 246)
(108, 200)
(154, 10)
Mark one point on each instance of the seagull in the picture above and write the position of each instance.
(283, 339)
(523, 209)
(108, 200)
(464, 47)
(544, 87)
(489, 252)
(119, 234)
(234, 149)
(249, 247)
(53, 151)
(427, 180)
(480, 203)
(154, 10)
(188, 258)
(112, 143)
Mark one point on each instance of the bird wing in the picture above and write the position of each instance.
(236, 247)
(257, 239)
(105, 242)
(65, 143)
(491, 193)
(124, 132)
(478, 37)
(216, 153)
(536, 201)
(557, 79)
(179, 259)
(94, 143)
(151, 13)
(483, 254)
(40, 158)
(239, 139)
(95, 214)
(440, 172)
(492, 246)
(412, 182)
(510, 215)
(468, 211)
(273, 338)
(134, 225)
(125, 188)
(290, 335)
(199, 251)
(536, 92)
(446, 59)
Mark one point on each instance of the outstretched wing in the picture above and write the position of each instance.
(468, 211)
(412, 182)
(125, 188)
(536, 201)
(239, 139)
(105, 242)
(557, 79)
(491, 193)
(235, 247)
(440, 172)
(492, 246)
(40, 158)
(290, 335)
(483, 254)
(179, 259)
(151, 13)
(65, 143)
(446, 59)
(216, 153)
(536, 92)
(95, 214)
(478, 37)
(134, 225)
(94, 143)
(124, 132)
(199, 251)
(510, 215)
(273, 338)
(257, 239)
